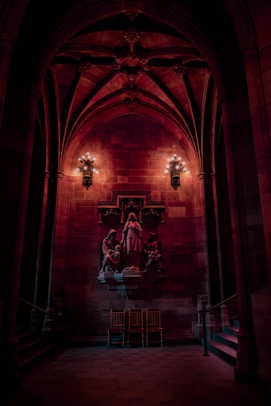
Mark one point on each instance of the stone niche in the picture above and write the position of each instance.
(129, 280)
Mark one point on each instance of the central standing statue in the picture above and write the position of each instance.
(130, 256)
(132, 242)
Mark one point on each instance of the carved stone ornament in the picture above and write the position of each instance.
(128, 282)
(123, 203)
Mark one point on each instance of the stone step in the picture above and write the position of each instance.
(226, 339)
(35, 357)
(231, 330)
(224, 343)
(225, 352)
(32, 349)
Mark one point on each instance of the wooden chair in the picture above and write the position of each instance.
(135, 325)
(116, 330)
(153, 325)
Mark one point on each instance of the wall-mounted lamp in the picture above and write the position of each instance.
(174, 167)
(87, 169)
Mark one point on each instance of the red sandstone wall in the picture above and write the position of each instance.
(131, 156)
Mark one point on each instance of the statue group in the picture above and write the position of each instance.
(130, 253)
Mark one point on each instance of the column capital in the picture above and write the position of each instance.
(202, 176)
(248, 46)
(213, 175)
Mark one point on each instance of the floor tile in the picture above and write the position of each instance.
(168, 376)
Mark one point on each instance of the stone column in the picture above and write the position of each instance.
(49, 320)
(257, 66)
(206, 290)
(36, 316)
(14, 213)
(262, 145)
(219, 265)
(245, 365)
(6, 44)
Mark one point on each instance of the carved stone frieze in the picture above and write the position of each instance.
(123, 203)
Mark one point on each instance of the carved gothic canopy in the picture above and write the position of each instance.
(124, 203)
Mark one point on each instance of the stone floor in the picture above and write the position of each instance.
(169, 376)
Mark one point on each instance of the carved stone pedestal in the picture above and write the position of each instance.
(130, 280)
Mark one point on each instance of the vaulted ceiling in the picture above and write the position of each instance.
(132, 63)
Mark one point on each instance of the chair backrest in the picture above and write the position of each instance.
(135, 318)
(153, 317)
(117, 318)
